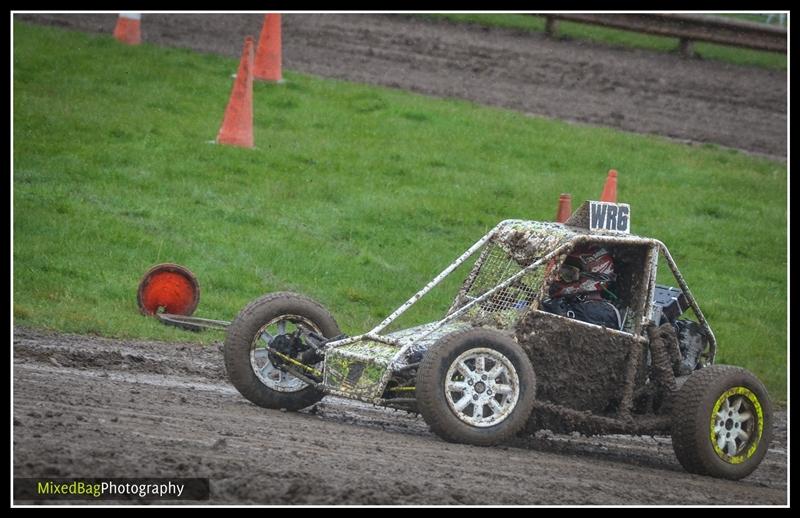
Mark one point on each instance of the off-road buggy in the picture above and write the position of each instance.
(496, 363)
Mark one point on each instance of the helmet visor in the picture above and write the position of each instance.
(569, 273)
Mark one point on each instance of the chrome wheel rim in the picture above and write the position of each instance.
(736, 425)
(482, 387)
(262, 366)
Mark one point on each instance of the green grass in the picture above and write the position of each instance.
(622, 38)
(354, 195)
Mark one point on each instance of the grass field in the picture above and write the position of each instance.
(354, 195)
(617, 37)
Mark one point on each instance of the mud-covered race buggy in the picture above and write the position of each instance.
(497, 363)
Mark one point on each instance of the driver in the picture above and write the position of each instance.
(583, 279)
(586, 272)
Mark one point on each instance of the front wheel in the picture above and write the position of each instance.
(264, 325)
(721, 422)
(476, 387)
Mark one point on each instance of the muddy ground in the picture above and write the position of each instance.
(687, 99)
(96, 407)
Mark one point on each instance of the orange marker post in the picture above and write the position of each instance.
(610, 187)
(128, 29)
(237, 125)
(564, 207)
(268, 53)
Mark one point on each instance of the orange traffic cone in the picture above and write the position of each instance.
(564, 207)
(268, 55)
(610, 188)
(128, 29)
(237, 125)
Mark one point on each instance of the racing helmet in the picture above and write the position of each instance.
(586, 270)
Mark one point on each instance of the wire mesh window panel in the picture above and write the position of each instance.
(497, 267)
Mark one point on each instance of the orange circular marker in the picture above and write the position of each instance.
(170, 288)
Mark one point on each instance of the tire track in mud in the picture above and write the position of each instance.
(88, 406)
(633, 90)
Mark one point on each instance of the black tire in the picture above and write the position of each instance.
(432, 397)
(243, 332)
(695, 432)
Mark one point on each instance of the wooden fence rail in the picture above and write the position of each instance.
(686, 27)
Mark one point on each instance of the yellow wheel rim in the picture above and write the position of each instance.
(736, 425)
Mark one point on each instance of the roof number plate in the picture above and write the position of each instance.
(606, 216)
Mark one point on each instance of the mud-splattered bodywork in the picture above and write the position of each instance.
(593, 378)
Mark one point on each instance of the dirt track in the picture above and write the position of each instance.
(94, 407)
(633, 90)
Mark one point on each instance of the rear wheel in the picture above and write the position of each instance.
(267, 323)
(721, 422)
(476, 387)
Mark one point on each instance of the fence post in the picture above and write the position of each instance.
(551, 26)
(685, 47)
